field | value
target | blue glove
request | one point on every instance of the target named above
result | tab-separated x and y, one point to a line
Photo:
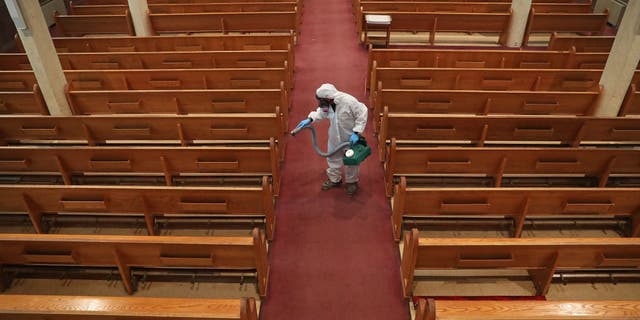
354	138
303	123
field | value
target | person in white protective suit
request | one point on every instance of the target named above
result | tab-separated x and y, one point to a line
348	118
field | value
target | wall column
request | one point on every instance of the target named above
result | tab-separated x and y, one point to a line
42	55
519	16
139	11
621	64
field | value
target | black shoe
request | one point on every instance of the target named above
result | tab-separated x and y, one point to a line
330	184
352	188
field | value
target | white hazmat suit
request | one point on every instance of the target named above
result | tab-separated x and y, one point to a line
349	116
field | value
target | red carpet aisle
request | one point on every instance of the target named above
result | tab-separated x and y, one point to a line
333	256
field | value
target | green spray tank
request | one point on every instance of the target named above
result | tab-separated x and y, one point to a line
353	156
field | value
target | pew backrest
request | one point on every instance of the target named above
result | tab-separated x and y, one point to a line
564	22
152	129
171	43
540	256
124	252
23	102
173	79
144	201
518	130
79	25
486	79
581	43
429	309
51	307
157	60
179	101
285	21
515	203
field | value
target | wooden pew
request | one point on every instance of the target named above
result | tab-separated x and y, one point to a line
563	7
82	9
157	60
434	22
545	5
20	93
177	79
164	161
17	81
148	129
285	21
125	252
541	257
631	104
449	58
172	43
500	162
79	25
203	1
429	309
23	102
180	101
594	23
515	203
30	307
517	130
422	6
486	79
581	43
482	102
162	60
143	201
464	7
495	59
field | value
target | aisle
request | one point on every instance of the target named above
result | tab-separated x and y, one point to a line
333	256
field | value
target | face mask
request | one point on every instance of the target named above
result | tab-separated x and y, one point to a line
325	104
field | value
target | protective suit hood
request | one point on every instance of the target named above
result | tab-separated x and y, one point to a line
326	91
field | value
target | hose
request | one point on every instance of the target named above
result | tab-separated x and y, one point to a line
315	142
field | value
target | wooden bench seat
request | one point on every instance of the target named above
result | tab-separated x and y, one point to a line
500	162
162	60
581	43
157	60
594	23
284	21
171	43
494	59
525	59
386	7
542	6
517	130
24	307
434	22
169	80
180	101
482	102
515	203
631	103
83	9
144	129
173	79
486	79
429	309
127	252
541	257
79	25
23	102
164	161
143	201
300	2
